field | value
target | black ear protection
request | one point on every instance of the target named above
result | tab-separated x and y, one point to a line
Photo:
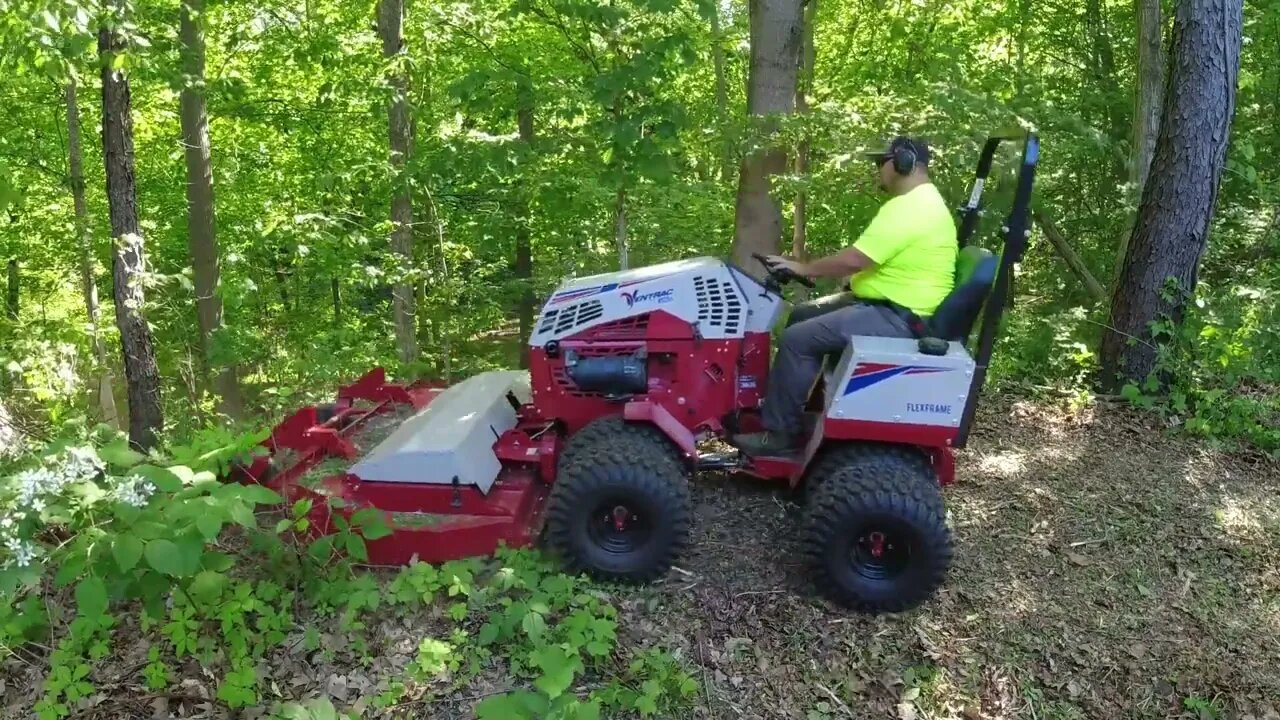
904	158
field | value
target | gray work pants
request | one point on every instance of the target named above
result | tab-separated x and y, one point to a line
814	329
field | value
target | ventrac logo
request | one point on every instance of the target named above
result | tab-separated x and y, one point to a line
657	296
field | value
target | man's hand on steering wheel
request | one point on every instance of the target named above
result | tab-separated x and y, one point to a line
778	262
784	269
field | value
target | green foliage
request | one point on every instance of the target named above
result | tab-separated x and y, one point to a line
133	531
1215	376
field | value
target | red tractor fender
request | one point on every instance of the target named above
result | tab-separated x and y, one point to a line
660	417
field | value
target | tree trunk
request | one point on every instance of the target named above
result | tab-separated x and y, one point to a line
1181	191
202	238
88	284
390	22
1069	255
722	95
524	250
12	298
771	90
128	259
620	228
1150	90
1146	113
804	85
336	290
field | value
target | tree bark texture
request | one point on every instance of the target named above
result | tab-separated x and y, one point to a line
390	24
1181	191
776	29
88	283
804	85
1149	97
128	259
524	247
202	238
1150	90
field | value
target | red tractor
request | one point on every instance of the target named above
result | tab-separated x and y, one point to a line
631	375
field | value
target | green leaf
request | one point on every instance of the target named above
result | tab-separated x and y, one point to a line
558	669
165	557
190	552
260	495
321	549
519	705
208	585
162	478
488	633
119	454
209	525
91	596
241	514
127	550
184	474
372	523
356	547
534	625
217	561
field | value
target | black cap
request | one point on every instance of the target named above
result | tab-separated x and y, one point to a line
920	147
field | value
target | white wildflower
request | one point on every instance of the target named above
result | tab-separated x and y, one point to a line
80	464
134	490
22	550
36	483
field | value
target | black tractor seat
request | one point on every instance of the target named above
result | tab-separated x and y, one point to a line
956	314
955	317
958	311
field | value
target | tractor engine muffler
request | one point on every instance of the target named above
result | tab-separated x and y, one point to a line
617	375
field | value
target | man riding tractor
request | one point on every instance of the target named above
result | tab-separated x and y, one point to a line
902	267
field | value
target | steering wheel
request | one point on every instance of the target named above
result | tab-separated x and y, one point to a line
782	275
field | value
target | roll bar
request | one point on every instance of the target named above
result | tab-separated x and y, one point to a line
1015	231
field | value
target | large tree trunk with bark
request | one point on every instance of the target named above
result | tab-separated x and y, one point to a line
128	260
524	248
804	84
1148	100
1150	90
202	238
1181	191
88	283
771	90
390	23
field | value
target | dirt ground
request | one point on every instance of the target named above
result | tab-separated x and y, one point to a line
1104	569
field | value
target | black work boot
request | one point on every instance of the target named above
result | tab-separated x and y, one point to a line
769	442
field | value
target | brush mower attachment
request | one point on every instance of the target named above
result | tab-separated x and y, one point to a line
424	456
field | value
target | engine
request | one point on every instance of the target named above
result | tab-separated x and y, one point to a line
691	335
717	299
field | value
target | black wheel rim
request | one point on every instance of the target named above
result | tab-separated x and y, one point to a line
618	527
881	549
